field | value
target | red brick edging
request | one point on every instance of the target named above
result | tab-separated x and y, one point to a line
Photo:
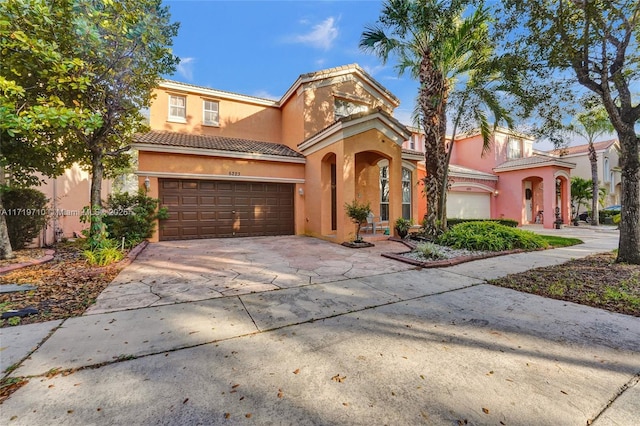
48	255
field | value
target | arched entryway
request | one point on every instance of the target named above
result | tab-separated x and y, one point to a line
329	203
533	200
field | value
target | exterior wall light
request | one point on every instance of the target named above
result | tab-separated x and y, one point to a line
147	184
495	193
300	191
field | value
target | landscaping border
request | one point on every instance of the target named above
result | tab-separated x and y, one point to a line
444	262
48	256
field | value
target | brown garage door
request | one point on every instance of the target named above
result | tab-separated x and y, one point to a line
212	209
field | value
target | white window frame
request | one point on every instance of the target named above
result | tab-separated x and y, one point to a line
177	118
406	193
510	155
215	122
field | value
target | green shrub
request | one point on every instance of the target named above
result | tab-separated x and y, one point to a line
490	236
604	214
429	250
104	255
25	214
132	216
402	226
506	222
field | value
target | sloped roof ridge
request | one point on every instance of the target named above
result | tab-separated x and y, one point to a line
579	149
196	86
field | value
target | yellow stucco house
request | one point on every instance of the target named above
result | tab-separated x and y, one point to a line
227	164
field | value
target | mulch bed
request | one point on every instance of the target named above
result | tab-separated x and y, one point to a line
594	281
66	286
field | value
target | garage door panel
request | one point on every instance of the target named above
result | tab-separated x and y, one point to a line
188	216
170	200
471	205
210	209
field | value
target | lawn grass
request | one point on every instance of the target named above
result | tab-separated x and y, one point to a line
556	242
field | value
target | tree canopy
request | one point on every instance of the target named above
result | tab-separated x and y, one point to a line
595	45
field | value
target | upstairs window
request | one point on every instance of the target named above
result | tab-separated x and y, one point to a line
178	108
210	116
514	148
412	142
344	108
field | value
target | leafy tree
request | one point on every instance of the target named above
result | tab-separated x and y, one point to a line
438	41
359	214
597	43
126	45
121	48
591	124
38	85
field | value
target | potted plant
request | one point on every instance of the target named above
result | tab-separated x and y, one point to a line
358	214
402	227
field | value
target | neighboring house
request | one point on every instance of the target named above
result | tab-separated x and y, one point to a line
227	164
508	181
609	172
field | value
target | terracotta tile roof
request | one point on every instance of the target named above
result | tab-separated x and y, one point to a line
582	149
219	143
534	161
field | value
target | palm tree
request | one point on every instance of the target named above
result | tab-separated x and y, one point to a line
590	124
438	41
581	192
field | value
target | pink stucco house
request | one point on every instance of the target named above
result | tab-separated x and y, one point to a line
509	181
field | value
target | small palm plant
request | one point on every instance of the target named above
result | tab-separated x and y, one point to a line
358	214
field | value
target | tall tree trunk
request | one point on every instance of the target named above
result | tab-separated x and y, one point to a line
629	244
5	245
431	100
593	159
97	172
6	252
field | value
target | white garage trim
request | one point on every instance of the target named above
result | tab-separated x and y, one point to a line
218	177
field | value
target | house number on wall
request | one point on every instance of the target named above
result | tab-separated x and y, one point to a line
234	173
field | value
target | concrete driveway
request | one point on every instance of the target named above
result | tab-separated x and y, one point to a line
435	346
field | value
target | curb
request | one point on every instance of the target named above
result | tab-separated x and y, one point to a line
48	256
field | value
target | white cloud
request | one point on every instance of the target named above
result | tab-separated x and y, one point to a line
320	62
374	69
265	95
185	68
321	35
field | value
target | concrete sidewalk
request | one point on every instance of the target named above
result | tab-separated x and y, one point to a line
408	347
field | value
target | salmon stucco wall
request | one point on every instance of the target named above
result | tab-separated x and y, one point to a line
293	121
243	120
68	195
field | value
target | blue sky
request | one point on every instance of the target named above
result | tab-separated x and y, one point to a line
260	47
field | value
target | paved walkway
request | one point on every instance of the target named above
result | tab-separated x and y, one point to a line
402	346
